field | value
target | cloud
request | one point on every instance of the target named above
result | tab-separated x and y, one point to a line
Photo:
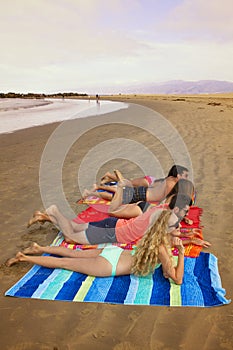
37	33
209	20
68	44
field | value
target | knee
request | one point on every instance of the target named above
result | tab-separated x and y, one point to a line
53	209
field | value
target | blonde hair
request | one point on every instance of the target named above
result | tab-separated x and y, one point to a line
147	254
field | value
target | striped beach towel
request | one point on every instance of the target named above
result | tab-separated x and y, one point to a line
201	286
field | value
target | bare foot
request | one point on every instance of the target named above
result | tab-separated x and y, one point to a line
86	193
19	257
38	216
105	180
108	177
118	174
92	192
124	182
94	187
33	249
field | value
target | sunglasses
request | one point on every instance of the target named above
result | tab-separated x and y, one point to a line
185	211
176	225
182	213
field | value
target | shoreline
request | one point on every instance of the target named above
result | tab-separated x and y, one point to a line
22	114
207	132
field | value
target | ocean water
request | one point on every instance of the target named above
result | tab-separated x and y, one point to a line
17	114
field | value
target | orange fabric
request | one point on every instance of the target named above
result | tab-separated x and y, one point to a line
191	250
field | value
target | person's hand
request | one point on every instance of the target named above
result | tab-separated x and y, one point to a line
177	242
187	233
201	242
118	174
124	182
188	221
191	232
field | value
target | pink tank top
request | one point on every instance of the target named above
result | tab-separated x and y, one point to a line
133	229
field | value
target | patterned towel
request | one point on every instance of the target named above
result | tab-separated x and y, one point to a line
97	212
191	250
201	286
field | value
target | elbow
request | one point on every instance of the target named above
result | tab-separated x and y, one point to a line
178	281
111	212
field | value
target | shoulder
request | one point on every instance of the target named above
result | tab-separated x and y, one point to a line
162	249
163	253
171	179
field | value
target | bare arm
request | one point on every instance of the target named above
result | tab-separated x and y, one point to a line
197	241
126	211
106	188
117	199
136	182
109	176
175	273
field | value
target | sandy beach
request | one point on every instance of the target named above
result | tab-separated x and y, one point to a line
205	125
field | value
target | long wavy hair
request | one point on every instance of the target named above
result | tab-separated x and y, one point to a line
147	254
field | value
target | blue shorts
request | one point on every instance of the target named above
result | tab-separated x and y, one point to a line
102	231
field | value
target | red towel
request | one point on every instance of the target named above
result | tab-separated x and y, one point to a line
97	212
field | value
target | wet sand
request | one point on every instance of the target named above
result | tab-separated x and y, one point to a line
205	124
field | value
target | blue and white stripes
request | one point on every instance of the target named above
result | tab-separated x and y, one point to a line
201	286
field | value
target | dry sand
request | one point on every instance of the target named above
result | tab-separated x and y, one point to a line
205	124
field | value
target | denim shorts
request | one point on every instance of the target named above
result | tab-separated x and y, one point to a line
134	194
102	231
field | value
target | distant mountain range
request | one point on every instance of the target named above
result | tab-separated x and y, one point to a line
179	87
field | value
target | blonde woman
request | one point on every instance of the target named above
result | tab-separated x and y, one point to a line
153	250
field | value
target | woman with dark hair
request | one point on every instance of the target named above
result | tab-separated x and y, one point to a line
177	171
158	192
137	188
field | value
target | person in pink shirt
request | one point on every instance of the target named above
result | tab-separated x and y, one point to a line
114	261
114	229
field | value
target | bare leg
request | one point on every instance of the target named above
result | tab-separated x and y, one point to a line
86	193
105	195
117	199
106	188
96	266
61	251
134	182
108	177
73	232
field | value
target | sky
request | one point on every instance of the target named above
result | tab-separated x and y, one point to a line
91	46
